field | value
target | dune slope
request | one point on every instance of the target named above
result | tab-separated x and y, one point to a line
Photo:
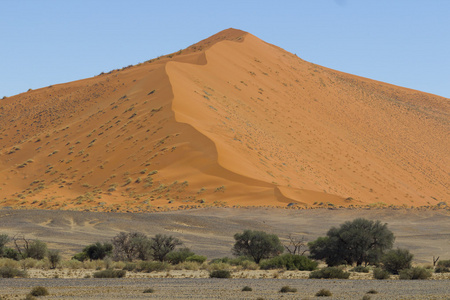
229	121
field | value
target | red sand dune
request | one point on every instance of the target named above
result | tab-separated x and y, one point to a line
229	121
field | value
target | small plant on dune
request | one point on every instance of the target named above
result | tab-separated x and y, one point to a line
149	290
366	297
247	289
30	297
372	291
323	293
288	289
220	274
39	291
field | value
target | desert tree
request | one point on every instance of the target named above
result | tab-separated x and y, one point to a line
162	245
358	241
132	245
97	251
296	245
257	244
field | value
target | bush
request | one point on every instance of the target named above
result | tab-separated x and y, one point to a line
110	274
440	269
153	266
196	258
366	297
188	265
39	291
162	245
96	251
130	266
72	264
360	269
414	273
218	266
36	249
9	272
289	262
82	256
176	257
247	289
220	274
323	293
372	291
396	260
54	258
288	289
30	297
380	274
444	263
329	272
150	290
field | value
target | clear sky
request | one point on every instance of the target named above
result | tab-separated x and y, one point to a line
403	42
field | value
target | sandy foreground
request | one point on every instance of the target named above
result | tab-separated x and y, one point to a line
205	288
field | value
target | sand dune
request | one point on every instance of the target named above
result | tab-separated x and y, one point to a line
229	121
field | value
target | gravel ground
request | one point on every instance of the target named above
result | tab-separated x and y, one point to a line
202	288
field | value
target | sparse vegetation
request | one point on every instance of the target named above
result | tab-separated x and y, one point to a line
109	273
289	262
415	273
380	274
220	274
323	293
396	260
149	290
288	289
330	272
39	291
247	289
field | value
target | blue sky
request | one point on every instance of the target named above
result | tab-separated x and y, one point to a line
402	42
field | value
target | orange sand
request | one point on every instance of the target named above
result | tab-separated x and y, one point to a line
229	121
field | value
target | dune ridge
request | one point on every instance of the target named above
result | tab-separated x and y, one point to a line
229	121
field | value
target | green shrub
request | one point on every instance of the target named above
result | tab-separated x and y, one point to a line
82	256
218	266
196	258
440	269
179	256
109	273
129	266
10	272
415	273
329	272
323	293
360	269
153	266
220	274
289	262
372	291
39	291
247	289
54	258
380	274
150	290
444	263
396	260
288	289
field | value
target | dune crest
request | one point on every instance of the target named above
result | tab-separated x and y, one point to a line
229	121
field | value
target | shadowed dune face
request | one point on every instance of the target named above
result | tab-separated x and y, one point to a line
229	121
